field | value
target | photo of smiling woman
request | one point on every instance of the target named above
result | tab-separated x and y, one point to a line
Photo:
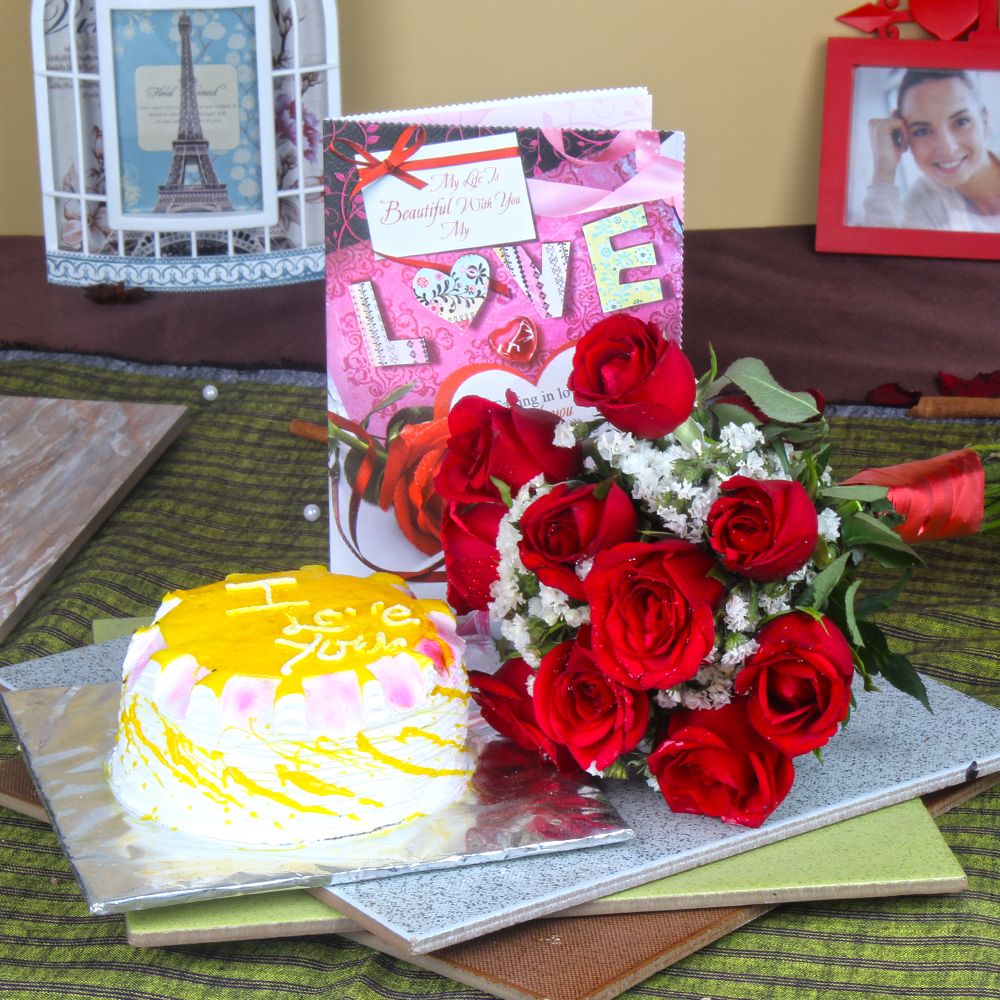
921	154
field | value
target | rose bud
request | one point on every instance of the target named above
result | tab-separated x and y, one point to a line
471	559
714	763
763	529
408	483
511	443
798	683
569	525
507	706
652	606
578	705
637	379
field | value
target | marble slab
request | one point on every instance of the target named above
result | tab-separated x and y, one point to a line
892	750
98	664
54	450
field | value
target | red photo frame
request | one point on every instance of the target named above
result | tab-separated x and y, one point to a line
862	74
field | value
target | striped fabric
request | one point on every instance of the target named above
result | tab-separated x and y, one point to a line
228	496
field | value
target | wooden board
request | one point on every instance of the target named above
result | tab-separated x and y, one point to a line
576	958
53	449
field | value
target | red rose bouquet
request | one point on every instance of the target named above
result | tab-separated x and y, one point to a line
674	581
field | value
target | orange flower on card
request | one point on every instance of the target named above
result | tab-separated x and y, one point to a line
414	457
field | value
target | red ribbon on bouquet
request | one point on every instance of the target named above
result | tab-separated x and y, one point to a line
399	162
940	497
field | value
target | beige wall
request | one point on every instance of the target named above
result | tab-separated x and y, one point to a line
743	79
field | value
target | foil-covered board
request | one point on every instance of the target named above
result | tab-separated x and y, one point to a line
514	807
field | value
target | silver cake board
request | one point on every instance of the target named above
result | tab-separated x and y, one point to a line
892	750
124	863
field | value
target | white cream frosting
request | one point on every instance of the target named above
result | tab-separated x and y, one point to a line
336	746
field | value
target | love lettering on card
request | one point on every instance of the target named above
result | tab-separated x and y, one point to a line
466	259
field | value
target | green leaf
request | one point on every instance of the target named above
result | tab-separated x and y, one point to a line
707	380
864	530
823	583
779	454
863	493
716	387
602	489
875	603
807	433
901	674
352	465
812	612
730	413
891	559
504	491
393	397
850	617
406	416
894	667
809	477
753	377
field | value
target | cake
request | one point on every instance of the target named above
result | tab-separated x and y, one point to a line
292	707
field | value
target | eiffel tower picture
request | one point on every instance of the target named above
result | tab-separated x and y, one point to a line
191	185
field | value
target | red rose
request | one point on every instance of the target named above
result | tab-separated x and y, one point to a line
714	763
638	380
471	560
798	683
763	529
507	706
578	705
652	606
408	482
570	524
513	444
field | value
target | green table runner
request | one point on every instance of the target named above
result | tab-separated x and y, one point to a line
228	496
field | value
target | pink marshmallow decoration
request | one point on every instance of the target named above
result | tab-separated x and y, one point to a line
432	650
143	645
247	698
172	689
448	631
401	680
333	703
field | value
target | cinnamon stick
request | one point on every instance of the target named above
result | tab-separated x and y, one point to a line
307	429
931	407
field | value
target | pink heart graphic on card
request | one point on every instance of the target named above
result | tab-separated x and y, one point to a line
456	295
945	20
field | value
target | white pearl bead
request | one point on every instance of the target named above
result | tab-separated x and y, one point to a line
210	394
311	512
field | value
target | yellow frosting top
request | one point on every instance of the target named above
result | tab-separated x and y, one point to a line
298	624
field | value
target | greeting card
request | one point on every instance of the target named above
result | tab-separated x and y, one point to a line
466	259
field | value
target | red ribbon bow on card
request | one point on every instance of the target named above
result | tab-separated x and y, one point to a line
371	168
